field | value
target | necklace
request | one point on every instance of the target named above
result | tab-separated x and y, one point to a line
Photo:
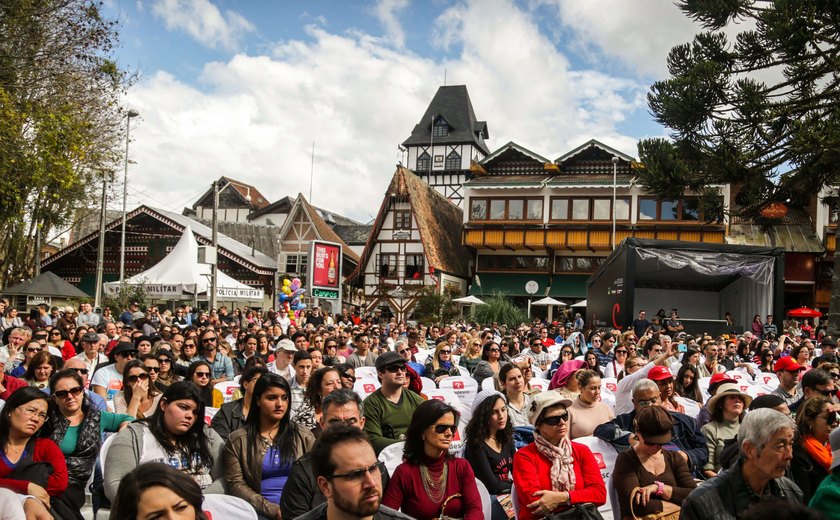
434	485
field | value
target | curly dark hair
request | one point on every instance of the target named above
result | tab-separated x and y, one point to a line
313	389
478	429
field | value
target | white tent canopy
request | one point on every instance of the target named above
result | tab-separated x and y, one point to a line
179	274
469	300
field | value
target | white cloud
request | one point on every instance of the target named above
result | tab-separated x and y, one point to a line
386	11
202	20
254	118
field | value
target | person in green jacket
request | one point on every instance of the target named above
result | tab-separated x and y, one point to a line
388	410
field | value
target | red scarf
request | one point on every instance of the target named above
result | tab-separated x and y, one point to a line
818	451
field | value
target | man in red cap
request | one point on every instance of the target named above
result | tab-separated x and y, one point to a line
788	372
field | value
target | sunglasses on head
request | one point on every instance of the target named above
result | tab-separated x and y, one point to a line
554	420
137	377
62	394
441	428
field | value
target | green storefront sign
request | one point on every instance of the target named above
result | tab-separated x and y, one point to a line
324	293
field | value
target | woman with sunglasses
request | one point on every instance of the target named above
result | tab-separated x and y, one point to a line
189	351
331	357
347	374
577	342
79	427
811	463
200	373
615	366
31	348
553	473
153	368
258	458
439	365
490	363
431	483
166	362
24	445
41	367
565	354
646	477
139	397
176	435
57	339
231	416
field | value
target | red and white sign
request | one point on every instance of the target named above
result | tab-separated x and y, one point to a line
326	265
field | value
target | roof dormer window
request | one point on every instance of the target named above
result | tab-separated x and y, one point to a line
440	128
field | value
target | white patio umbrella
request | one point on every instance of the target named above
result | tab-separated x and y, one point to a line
472	300
549	302
579	304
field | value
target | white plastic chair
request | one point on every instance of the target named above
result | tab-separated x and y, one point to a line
365	387
612	498
514	500
227	388
226	506
428	384
767	379
463	371
692	407
488	384
464	387
540	383
486	500
609	385
366	373
392	456
605	455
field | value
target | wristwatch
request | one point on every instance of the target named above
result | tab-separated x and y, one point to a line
660	488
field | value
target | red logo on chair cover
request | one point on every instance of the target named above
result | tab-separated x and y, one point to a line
612	387
600	459
458	385
744	388
767	379
369	388
456	436
231	390
438	397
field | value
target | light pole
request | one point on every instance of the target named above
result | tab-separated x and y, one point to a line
100	255
131	113
615	182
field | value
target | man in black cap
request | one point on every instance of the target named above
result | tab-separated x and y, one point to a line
107	381
91	354
388	410
829	352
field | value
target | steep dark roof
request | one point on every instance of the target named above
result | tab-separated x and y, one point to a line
438	220
46	284
325	231
354	235
285	204
242	191
261	238
454	105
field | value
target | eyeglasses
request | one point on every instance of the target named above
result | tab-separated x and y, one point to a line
126	355
137	377
56	333
82	371
189	345
208	340
494	349
153	369
441	428
374	470
33	349
62	394
446	352
617	352
566	353
32	412
554	420
202	374
648	402
827	393
347	376
835	376
401	351
163	360
395	368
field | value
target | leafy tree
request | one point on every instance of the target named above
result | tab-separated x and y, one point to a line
127	294
60	119
500	309
760	111
434	307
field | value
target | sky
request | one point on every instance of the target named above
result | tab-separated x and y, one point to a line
243	88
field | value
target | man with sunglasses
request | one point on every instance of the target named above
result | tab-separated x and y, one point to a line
8	384
221	366
80	368
301	494
91	355
350	477
539	356
363	356
815	382
388	410
108	380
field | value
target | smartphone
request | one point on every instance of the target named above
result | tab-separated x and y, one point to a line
681	347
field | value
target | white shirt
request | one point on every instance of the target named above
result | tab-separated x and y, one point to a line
624	392
109	379
286	372
91	364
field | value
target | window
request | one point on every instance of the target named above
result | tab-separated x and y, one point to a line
580	209
453	161
387	265
506	209
685	210
512	263
424	161
578	264
559	209
601	209
414	267
622	209
402	219
440	128
296	264
478	209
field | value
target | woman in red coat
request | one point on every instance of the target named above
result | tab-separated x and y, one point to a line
553	473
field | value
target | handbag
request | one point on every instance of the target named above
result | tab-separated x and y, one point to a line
664	515
443	508
586	511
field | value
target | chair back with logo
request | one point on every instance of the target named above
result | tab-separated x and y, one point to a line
767	379
692	407
226	388
365	387
428	384
605	455
464	387
539	383
209	413
486	504
609	385
226	506
366	373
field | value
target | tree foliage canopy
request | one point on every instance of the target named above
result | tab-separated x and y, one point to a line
60	118
760	110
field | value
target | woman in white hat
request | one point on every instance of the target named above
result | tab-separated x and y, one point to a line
727	407
553	473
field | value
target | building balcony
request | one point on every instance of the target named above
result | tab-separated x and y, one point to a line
581	237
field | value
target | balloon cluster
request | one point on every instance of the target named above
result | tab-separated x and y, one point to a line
289	295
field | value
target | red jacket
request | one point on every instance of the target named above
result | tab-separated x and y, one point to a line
45	451
532	473
11	384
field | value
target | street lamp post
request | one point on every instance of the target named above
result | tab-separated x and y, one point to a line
100	256
131	113
615	182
